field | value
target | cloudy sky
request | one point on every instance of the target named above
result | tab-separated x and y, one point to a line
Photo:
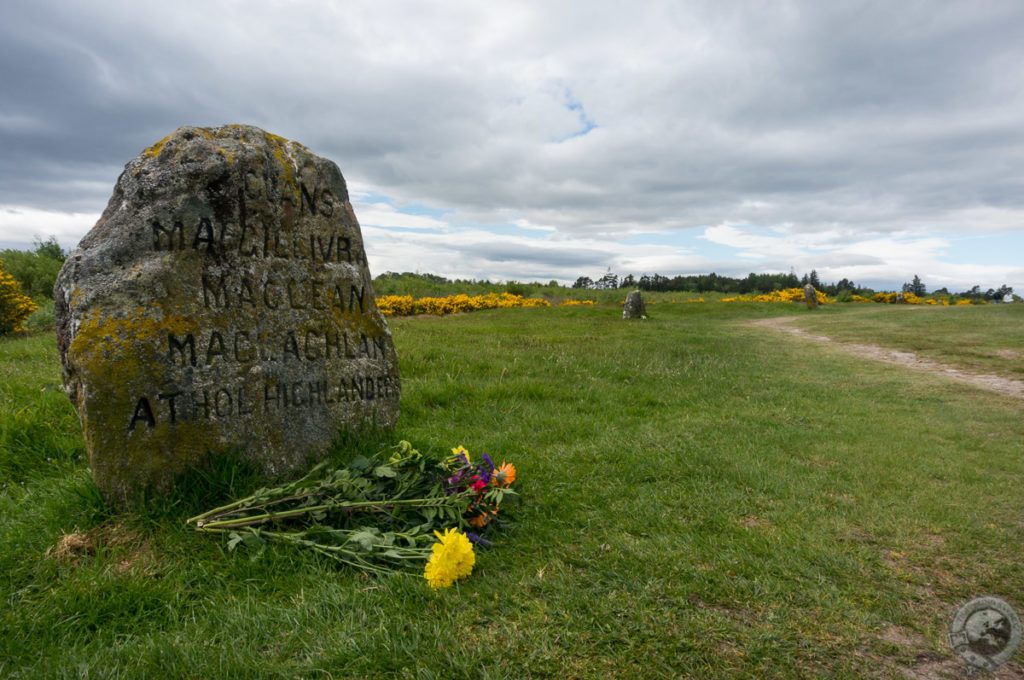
552	139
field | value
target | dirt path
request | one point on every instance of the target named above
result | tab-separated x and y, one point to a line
994	383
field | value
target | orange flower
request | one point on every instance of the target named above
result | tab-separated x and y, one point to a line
504	475
483	519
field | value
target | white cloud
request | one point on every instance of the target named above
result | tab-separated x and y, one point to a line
20	226
481	254
838	254
802	134
381	214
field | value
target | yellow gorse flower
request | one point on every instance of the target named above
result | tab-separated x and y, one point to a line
452	559
404	305
787	295
15	306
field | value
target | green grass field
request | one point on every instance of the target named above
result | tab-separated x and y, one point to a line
701	497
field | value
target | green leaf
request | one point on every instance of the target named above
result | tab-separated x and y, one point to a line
252	540
384	471
365	539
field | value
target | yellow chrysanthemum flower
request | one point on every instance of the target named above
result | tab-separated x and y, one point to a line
453	559
459	458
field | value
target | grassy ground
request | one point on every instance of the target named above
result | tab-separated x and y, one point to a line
985	338
702	497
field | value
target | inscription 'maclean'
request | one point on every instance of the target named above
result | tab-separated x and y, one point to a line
224	403
275	293
243	347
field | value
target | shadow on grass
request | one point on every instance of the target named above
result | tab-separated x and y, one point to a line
227	476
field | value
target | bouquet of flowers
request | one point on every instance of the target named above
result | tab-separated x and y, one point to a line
383	514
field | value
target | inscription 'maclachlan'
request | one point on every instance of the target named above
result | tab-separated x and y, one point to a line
244	347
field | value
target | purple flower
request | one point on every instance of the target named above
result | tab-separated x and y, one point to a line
454	482
485	475
473	538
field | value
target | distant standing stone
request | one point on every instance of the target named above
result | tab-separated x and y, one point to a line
810	296
222	301
635	307
901	298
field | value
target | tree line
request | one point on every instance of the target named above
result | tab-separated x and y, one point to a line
765	283
36	270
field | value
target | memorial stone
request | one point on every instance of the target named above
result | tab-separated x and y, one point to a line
810	296
634	307
222	302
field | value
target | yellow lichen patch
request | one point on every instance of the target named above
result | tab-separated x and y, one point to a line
122	358
108	331
277	139
154	151
118	354
287	164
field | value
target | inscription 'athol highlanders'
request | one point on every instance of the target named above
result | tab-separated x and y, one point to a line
177	406
222	301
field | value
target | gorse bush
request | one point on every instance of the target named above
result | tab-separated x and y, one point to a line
787	295
36	269
405	305
15	306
